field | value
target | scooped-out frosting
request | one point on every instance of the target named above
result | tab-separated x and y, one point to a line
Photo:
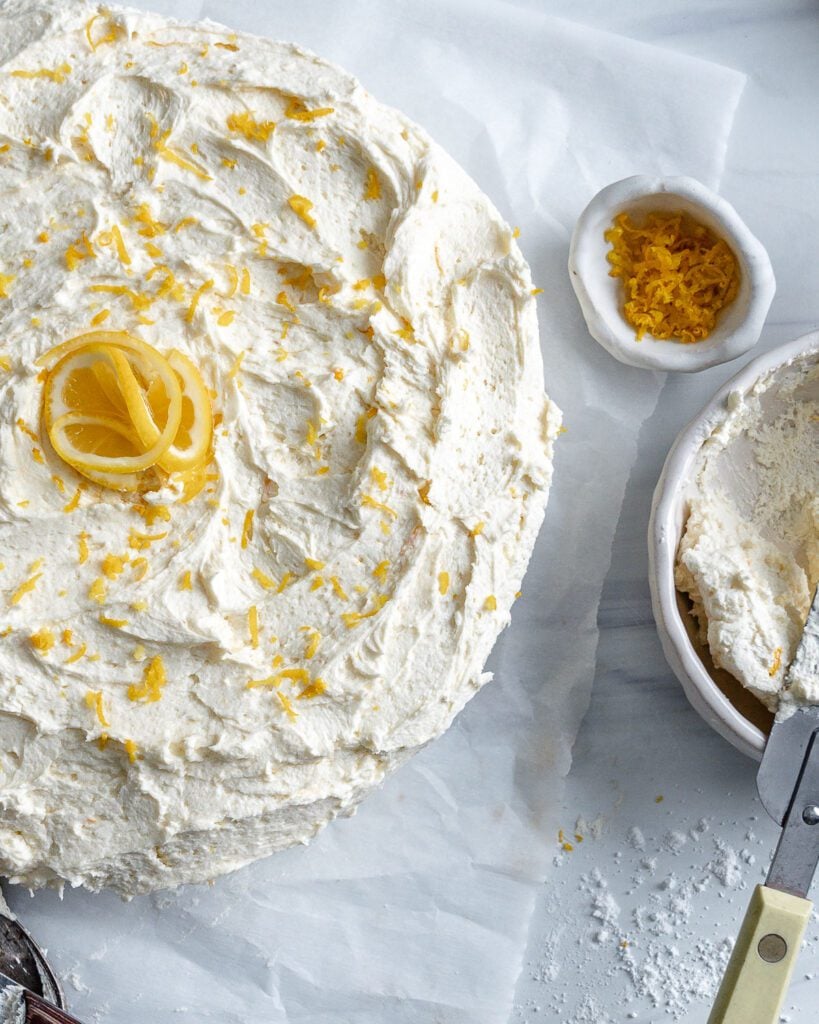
749	556
190	683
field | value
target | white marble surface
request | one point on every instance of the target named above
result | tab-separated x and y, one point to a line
640	739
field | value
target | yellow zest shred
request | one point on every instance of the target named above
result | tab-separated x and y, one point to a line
353	619
185	581
82	541
477	529
111	31
154	679
98	591
42	640
379	477
491	603
244	287
288	707
139	606
114	565
372	188
313	564
77	655
58	74
143	541
247	528
313	641
139	567
263	579
677	275
93	700
370	502
361	424
25	588
285	582
5	281
131	750
297	111
67	637
100	317
776	664
302	206
113	623
197	295
75	501
407	332
247	125
443	583
338	590
253	625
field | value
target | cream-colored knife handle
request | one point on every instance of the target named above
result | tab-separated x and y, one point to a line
759	971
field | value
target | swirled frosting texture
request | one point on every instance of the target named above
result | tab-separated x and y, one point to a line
380	466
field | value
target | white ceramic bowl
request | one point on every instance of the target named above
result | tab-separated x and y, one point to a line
600	296
714	693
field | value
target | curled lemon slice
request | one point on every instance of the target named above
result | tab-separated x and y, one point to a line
115	408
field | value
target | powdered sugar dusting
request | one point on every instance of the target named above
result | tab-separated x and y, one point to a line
640	942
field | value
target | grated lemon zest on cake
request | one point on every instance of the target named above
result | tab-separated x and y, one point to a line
443	583
131	749
82	541
477	529
154	679
75	501
197	295
246	124
302	206
114	565
143	541
140	567
247	528
98	591
253	625
372	187
104	620
361	424
368	501
285	582
42	640
776	664
93	700
491	603
296	110
353	619
338	590
77	655
58	74
263	579
114	31
381	570
25	588
313	564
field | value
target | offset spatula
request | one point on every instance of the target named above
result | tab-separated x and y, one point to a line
759	971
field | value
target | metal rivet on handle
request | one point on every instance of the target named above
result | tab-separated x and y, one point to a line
772	948
810	815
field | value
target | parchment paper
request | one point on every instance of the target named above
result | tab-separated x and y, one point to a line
417	909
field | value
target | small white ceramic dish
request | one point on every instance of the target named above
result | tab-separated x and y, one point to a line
714	693
600	296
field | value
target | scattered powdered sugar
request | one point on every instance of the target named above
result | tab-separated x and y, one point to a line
647	949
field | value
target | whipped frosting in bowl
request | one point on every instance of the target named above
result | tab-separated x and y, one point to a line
190	682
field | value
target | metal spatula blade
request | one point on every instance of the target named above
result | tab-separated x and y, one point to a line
759	971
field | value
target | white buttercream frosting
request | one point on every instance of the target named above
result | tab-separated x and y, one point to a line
380	412
749	556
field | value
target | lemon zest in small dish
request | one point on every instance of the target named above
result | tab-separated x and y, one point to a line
677	275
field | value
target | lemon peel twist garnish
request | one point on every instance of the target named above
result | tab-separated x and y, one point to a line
114	408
